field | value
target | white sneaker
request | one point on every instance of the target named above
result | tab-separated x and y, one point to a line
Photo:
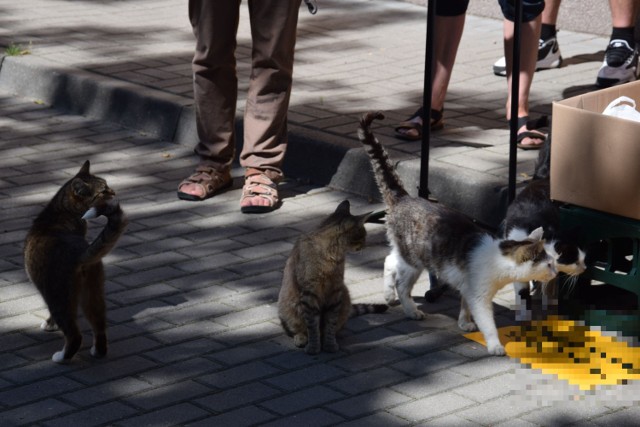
548	57
620	64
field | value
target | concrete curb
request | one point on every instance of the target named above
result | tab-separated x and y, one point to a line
91	95
318	157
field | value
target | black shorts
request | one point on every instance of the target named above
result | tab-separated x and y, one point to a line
530	9
451	7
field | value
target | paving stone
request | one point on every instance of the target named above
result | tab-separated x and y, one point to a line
165	396
379	419
360	405
237	375
430	407
110	390
35	412
38	391
302	400
313	417
367	380
246	416
192	287
232	398
305	377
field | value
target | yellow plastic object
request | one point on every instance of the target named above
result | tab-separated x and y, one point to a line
573	352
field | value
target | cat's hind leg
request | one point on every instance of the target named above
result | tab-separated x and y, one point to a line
72	339
63	307
334	318
464	318
310	308
94	308
405	277
389	284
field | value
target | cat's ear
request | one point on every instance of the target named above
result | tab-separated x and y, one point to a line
343	208
536	234
84	170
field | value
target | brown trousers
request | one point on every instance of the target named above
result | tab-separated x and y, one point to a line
215	83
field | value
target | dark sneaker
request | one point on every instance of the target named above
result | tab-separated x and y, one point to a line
620	64
548	57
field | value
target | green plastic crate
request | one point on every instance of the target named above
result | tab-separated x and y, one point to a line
613	255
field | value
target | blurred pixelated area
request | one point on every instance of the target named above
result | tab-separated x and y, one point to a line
584	356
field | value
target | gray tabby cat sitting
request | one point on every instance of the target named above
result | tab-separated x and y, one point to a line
314	303
65	268
427	235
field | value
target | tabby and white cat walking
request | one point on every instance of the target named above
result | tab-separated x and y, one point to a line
65	268
314	303
429	235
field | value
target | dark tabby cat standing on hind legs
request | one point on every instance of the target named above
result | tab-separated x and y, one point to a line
65	268
314	303
424	234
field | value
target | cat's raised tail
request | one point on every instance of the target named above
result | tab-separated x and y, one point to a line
389	182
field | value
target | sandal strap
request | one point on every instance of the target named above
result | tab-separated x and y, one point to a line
260	185
533	124
208	177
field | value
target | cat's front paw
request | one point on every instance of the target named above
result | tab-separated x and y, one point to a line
300	340
110	209
496	349
416	315
58	357
312	349
49	326
97	354
467	326
330	347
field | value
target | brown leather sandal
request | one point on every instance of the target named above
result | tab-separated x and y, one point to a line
259	185
209	180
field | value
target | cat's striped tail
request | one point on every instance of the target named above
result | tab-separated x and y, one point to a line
389	182
106	240
360	309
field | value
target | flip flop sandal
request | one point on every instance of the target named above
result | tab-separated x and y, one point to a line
209	180
436	123
531	131
259	185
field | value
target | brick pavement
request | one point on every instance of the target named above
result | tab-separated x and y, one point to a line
351	57
193	329
192	286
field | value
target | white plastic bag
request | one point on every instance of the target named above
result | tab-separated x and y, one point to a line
624	108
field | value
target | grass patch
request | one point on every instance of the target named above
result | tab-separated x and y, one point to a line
17	50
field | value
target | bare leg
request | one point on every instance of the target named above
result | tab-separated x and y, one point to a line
623	13
530	34
447	36
550	12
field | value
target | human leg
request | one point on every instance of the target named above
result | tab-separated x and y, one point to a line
273	30
548	49
620	63
215	93
447	36
529	37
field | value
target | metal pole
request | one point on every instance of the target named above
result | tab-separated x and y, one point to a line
423	189
515	87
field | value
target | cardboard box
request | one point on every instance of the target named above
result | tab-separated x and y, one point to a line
595	159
